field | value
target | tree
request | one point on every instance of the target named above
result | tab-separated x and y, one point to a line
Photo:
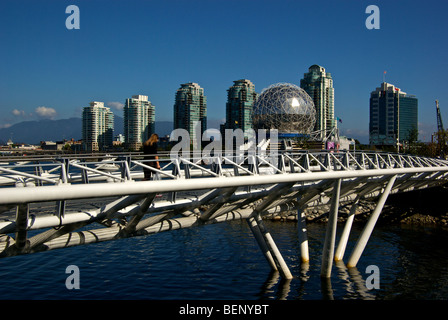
428	150
442	143
412	140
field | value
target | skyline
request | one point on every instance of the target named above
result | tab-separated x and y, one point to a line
151	47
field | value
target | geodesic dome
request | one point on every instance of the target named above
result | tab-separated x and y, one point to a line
285	107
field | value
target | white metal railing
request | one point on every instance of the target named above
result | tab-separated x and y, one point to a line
221	187
68	179
56	171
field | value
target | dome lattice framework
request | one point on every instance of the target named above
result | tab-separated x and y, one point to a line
285	107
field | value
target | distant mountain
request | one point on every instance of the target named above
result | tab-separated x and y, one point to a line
32	132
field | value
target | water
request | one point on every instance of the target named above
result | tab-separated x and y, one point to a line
223	262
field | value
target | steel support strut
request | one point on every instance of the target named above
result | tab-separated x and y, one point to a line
303	237
365	235
280	262
346	232
340	251
330	235
264	238
261	242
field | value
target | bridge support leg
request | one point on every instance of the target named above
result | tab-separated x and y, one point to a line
272	247
346	232
365	235
330	235
303	237
261	242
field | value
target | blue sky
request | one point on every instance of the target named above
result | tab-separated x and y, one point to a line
149	47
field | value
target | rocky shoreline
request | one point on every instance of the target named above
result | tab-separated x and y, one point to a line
422	207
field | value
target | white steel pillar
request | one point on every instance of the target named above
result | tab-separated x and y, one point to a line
346	232
330	235
272	247
365	235
280	262
340	251
261	242
303	237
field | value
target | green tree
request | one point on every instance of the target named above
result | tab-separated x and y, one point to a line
442	143
412	141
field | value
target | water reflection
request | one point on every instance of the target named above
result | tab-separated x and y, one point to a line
325	287
349	279
283	286
223	261
355	284
304	268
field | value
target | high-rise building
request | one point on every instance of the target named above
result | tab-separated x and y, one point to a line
97	127
319	86
239	107
393	115
139	121
190	106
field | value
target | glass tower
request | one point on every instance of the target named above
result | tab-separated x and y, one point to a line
239	107
139	121
319	86
190	106
393	115
97	127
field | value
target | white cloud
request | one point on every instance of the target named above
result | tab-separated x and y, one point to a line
45	112
116	105
4	126
362	135
18	113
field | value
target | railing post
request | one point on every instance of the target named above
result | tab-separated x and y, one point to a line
330	235
22	214
365	235
125	171
64	170
187	171
38	172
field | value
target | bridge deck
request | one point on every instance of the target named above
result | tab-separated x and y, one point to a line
44	202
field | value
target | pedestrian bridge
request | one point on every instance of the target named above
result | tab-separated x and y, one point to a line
63	201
